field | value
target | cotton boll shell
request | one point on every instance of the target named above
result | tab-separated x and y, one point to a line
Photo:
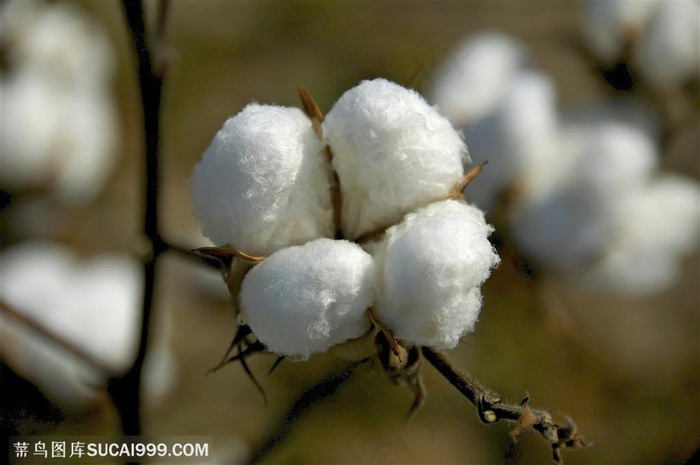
306	299
474	78
263	183
431	268
668	55
393	153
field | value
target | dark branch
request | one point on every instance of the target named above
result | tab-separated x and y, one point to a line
125	389
491	409
308	399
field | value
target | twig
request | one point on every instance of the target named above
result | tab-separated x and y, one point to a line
55	338
316	394
491	409
125	389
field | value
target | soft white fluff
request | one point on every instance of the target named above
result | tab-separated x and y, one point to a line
306	299
610	24
393	153
93	304
59	126
668	53
263	183
655	226
475	76
518	139
431	267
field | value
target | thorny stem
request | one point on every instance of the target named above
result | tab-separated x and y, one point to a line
491	409
125	390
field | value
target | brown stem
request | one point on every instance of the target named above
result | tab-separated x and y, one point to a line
491	409
56	339
125	390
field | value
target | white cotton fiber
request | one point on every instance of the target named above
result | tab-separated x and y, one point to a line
93	304
609	24
306	299
518	139
432	266
263	183
655	226
393	153
668	54
473	79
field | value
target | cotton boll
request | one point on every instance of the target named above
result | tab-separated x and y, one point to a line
518	139
475	76
393	153
563	229
263	183
615	157
668	53
94	305
432	265
610	24
656	225
306	299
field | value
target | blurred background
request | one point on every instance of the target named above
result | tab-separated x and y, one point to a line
625	368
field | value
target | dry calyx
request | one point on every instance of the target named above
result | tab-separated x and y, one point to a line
344	229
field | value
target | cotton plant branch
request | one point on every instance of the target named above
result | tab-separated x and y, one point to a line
491	408
311	397
125	390
59	341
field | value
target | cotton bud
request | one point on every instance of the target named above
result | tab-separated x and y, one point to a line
393	153
432	266
263	183
306	299
473	79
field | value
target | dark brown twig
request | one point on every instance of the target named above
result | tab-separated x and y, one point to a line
491	409
63	343
125	390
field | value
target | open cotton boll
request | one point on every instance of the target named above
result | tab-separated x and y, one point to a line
263	183
94	305
393	153
306	299
475	76
432	266
656	225
518	139
610	24
614	158
668	53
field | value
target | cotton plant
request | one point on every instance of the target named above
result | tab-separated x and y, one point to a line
656	40
345	226
90	307
59	126
569	190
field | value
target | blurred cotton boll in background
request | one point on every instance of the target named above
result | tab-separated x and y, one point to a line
92	304
59	126
658	40
473	79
